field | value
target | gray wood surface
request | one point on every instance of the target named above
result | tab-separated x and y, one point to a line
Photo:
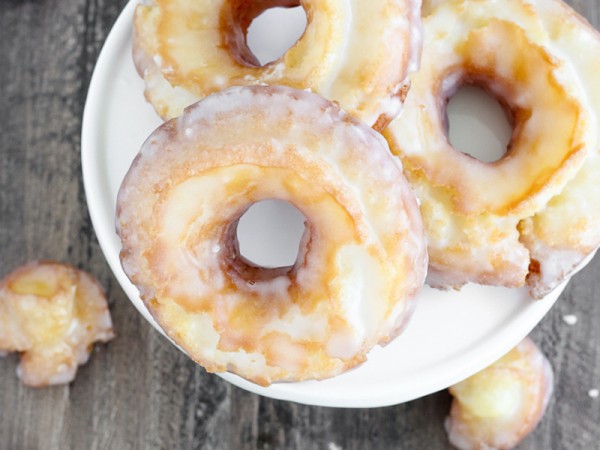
139	391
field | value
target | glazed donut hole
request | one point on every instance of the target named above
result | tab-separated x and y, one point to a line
244	26
268	236
258	240
478	122
269	44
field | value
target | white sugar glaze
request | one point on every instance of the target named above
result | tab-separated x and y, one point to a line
533	216
360	263
359	53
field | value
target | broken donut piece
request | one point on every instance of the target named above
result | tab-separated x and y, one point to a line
51	313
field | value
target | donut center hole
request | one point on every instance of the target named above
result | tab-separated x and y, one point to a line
274	32
269	234
478	125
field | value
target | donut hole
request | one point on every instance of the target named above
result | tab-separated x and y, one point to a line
269	234
478	124
259	33
274	32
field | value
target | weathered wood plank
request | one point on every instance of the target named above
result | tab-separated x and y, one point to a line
138	391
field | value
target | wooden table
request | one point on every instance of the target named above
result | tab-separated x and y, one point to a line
139	391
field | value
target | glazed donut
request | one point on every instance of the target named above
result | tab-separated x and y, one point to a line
361	261
499	406
526	218
51	313
188	49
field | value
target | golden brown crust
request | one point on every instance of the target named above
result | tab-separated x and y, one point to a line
499	406
361	262
51	313
186	50
477	214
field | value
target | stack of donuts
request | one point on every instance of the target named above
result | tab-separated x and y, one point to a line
383	211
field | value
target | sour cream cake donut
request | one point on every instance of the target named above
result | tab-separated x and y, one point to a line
526	218
188	49
499	406
361	261
52	314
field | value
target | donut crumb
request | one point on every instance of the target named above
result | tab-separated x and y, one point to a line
570	319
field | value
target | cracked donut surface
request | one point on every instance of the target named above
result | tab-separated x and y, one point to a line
527	218
361	261
188	49
51	313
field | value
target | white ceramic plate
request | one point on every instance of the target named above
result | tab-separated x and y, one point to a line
452	334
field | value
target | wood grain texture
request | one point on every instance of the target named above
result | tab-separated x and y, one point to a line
139	392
